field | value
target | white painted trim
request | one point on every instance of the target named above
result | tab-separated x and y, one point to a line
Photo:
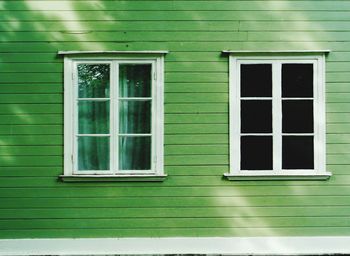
254	175
68	117
276	51
191	245
114	52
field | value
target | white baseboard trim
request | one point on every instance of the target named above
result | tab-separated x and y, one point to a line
190	245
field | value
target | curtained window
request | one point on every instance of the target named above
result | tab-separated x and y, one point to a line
117	111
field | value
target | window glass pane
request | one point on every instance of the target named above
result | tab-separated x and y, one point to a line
93	80
135	80
134	153
93	117
297	80
256	153
256	116
93	153
297	116
134	116
256	80
298	152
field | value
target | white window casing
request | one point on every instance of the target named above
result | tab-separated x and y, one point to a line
114	59
276	59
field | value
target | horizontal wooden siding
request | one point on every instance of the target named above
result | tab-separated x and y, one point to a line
195	200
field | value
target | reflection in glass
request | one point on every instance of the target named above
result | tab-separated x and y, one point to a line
93	153
134	116
93	80
298	152
256	116
256	80
135	80
297	80
256	153
297	116
134	153
93	117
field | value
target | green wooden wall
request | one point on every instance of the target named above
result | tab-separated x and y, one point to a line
195	200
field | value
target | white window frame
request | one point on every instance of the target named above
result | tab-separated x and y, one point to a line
277	59
156	173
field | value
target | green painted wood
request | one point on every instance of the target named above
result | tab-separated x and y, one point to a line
189	212
174	181
131	202
205	46
243	222
32	140
176	232
159	15
31	150
196	128
196	118
14	130
31	98
178	5
39	108
196	150
33	88
96	36
87	190
195	199
31	119
193	139
197	108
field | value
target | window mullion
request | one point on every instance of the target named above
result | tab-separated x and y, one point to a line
114	117
277	116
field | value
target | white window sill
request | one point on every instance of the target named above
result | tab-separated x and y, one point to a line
323	176
112	178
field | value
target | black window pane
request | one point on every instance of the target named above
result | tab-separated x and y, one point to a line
256	80
297	116
256	116
298	152
297	80
256	153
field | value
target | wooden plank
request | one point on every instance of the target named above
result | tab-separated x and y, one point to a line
166	202
196	87
31	98
172	181
31	150
196	129
159	15
195	150
194	139
85	190
208	98
96	36
225	222
197	108
174	232
31	119
197	118
31	130
187	212
178	5
32	140
30	88
39	108
185	46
